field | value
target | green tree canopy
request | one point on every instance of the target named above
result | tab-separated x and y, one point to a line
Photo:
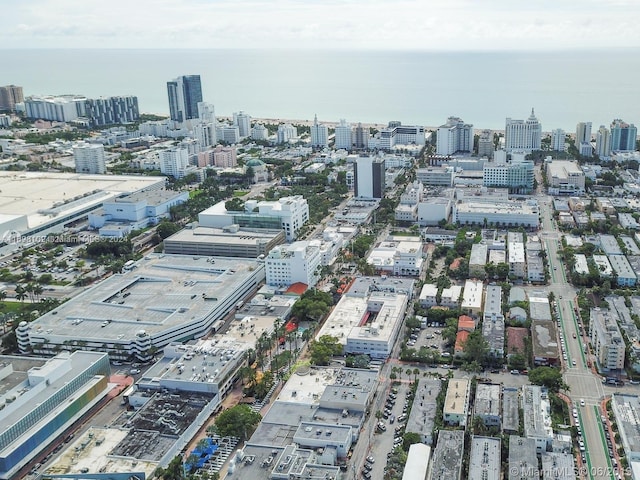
323	349
166	229
549	377
238	421
476	348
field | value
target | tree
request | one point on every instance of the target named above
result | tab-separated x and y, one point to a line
408	439
549	377
238	421
476	348
166	229
517	361
323	349
234	205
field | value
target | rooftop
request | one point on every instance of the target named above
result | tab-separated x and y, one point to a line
423	412
558	465
472	296
539	308
536	411
455	402
510	409
545	343
484	460
627	413
44	196
94	451
447	457
487	400
523	460
162	293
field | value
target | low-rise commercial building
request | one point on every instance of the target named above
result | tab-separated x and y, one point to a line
398	257
626	409
417	463
472	297
564	177
135	211
423	411
447	457
289	264
432	210
287	213
158	300
523	459
487	404
478	260
42	398
485	458
456	403
230	241
470	211
537	416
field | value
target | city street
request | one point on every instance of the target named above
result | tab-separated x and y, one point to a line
583	383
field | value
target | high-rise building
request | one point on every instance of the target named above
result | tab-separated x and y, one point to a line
205	133
174	162
207	112
583	132
319	134
9	96
111	110
98	112
558	136
185	93
361	137
525	135
243	121
343	135
454	136
517	176
286	132
259	132
229	134
485	144
603	143
623	136
369	181
89	158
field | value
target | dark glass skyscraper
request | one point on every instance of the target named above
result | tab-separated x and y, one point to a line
184	94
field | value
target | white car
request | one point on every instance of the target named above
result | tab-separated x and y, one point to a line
582	402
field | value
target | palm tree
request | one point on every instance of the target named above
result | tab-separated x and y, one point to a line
416	372
21	293
37	290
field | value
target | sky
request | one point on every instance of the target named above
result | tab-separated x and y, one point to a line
321	24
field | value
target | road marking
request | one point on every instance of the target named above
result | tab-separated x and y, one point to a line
604	442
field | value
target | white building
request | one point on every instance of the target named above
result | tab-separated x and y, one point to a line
626	409
487	404
89	158
472	296
286	133
603	143
398	257
485	144
207	112
517	263
537	416
606	339
242	120
289	264
287	213
205	134
484	460
450	297
493	321
558	137
428	295
369	181
319	134
343	135
469	211
454	136
174	162
456	402
524	135
564	177
417	463
259	132
434	209
516	175
436	176
228	133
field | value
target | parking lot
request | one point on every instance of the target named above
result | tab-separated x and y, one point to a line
394	412
429	337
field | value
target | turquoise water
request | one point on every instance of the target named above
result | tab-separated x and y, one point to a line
413	87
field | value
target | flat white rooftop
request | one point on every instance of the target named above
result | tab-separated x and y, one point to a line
163	293
44	196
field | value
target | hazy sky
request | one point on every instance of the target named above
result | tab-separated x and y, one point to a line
372	24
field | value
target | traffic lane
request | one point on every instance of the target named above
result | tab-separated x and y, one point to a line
597	457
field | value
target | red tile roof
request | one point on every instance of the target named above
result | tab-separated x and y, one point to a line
465	322
461	337
297	288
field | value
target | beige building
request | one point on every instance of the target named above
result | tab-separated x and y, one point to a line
456	403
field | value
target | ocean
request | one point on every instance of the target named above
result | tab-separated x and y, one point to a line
415	87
